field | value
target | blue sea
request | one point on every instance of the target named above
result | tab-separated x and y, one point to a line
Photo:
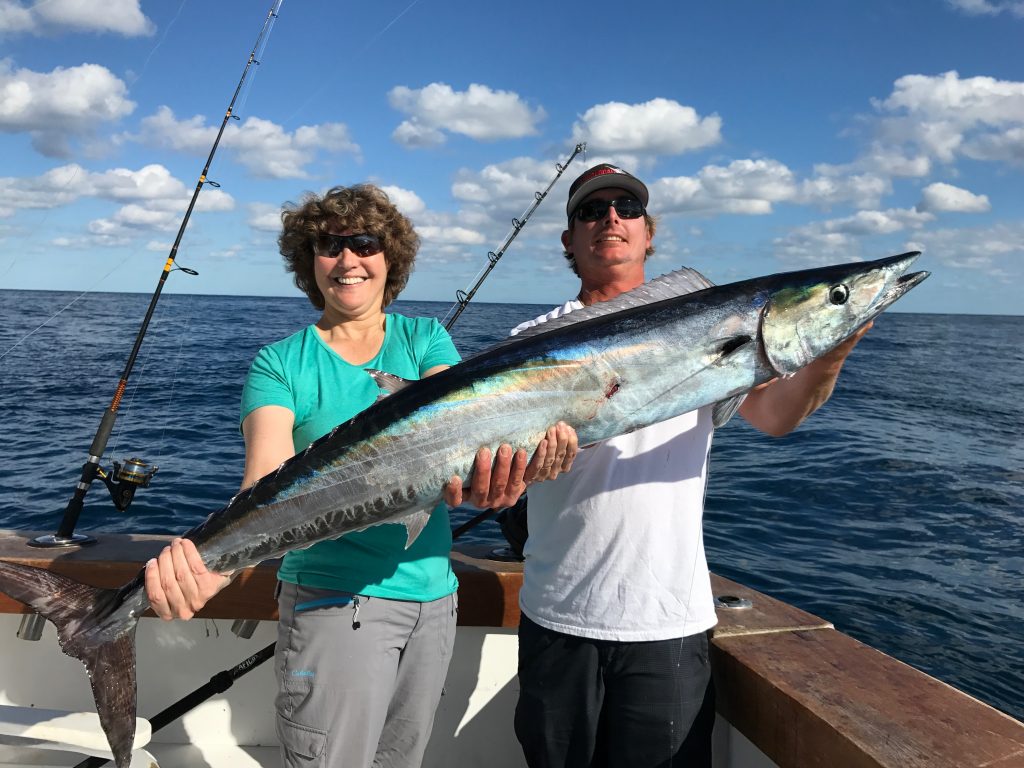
896	512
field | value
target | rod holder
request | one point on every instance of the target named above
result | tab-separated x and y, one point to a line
244	628
54	540
31	627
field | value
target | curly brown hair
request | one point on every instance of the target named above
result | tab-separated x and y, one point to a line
652	227
363	208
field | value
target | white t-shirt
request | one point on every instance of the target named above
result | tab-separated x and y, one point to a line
616	549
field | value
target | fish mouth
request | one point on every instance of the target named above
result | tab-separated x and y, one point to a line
904	282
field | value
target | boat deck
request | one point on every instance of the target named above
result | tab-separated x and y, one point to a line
792	690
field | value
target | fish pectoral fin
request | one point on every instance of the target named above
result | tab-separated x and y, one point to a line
723	410
414	525
388	382
723	348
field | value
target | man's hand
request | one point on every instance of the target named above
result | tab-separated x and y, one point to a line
779	406
502	483
178	584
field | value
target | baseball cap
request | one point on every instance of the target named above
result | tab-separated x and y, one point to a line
600	177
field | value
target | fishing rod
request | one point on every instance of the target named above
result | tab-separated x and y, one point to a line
462	297
135	473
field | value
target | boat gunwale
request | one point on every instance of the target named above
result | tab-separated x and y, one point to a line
802	692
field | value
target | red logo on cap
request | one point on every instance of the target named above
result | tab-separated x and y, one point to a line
599	172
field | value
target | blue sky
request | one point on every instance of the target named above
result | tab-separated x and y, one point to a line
773	136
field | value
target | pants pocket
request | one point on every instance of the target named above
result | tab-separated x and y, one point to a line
301	746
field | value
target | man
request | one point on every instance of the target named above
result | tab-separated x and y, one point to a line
616	599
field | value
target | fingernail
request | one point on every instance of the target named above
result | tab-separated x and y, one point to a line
151	562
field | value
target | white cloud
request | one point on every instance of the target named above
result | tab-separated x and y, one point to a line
878	222
151	199
159	214
823	242
452	235
988	7
660	127
55	106
1005	147
57	187
863	190
123	17
997	250
970	101
407	201
151	182
414	135
15	17
478	112
945	116
264	217
747	187
495	195
262	146
946	197
813	247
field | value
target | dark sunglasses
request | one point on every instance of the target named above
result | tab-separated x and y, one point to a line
361	245
594	210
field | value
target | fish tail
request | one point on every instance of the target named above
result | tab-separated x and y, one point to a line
95	626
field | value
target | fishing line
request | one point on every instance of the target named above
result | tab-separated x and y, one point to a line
364	49
164	416
46	215
247	88
374	39
87	291
160	42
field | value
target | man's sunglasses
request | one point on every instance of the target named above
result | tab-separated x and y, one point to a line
361	245
594	210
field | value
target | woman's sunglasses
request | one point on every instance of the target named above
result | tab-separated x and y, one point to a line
361	245
626	207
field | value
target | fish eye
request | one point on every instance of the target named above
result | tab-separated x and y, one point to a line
838	294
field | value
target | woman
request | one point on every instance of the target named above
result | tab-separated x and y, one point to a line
366	626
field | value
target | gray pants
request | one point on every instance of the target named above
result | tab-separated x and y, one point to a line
359	678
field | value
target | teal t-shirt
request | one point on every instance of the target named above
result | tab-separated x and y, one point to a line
309	378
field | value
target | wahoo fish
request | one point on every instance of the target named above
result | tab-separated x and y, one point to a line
665	348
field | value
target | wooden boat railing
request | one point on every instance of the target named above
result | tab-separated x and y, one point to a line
802	692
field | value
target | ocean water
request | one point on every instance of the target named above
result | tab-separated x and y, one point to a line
896	512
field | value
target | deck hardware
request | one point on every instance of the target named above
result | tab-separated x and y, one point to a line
504	554
732	602
31	627
244	628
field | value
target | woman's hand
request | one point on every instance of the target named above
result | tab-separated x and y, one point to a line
501	483
178	584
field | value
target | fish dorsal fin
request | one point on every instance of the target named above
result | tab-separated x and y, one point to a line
387	382
670	286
